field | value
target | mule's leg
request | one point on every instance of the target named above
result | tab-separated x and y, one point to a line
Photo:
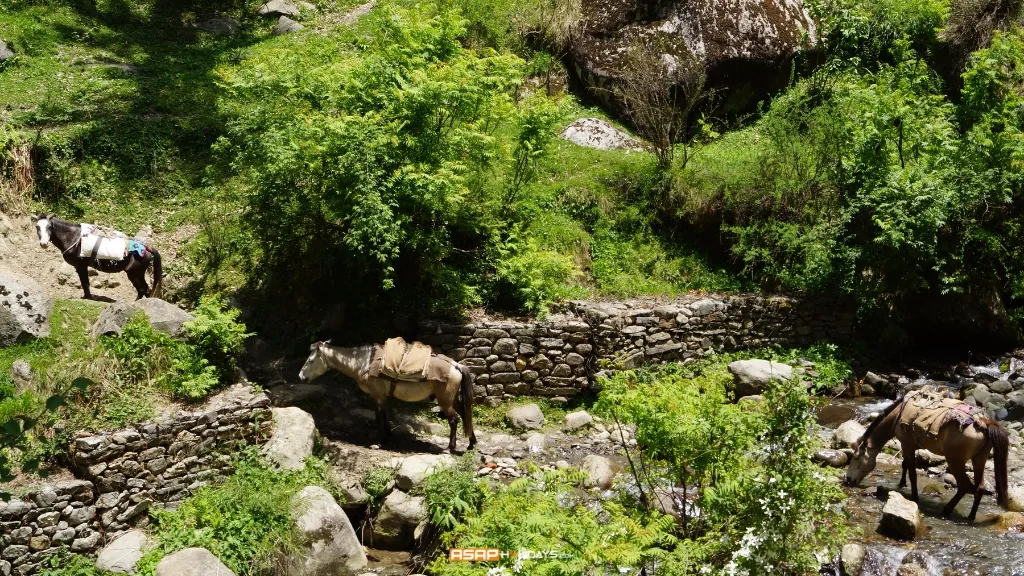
83	277
910	468
383	427
979	481
139	282
903	478
453	424
963	484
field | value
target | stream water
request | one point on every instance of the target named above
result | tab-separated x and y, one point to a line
947	547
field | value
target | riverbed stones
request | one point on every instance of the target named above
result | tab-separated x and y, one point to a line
328	544
192	562
752	376
25	309
833	458
415	469
599	471
395	526
901	518
849	433
851	559
1015	501
121	555
293	438
528	417
576	420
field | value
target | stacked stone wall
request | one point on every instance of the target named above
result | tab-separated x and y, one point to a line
560	355
122	474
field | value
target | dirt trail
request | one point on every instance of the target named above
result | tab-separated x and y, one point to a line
21	253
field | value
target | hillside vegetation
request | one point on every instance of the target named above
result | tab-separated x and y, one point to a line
408	162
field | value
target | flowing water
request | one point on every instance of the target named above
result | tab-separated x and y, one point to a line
947	547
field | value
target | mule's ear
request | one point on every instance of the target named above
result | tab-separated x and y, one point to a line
313	346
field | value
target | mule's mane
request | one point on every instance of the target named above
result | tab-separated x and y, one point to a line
875	423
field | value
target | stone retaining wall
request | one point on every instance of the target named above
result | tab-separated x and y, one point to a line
122	474
558	356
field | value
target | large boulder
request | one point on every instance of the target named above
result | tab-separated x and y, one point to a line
577	420
5	51
849	433
395	526
599	471
121	555
528	417
751	376
745	45
112	320
415	469
852	559
328	545
192	562
901	518
25	308
293	438
163	316
285	25
278	8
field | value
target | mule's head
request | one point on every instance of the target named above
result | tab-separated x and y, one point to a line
315	365
861	463
44	227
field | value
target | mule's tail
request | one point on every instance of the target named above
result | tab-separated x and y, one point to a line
158	274
466	403
1000	448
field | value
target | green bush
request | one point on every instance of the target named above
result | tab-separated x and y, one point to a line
764	505
190	369
549	514
536	277
216	335
246	522
452	492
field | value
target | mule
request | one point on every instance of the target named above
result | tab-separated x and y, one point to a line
67	237
454	395
957	444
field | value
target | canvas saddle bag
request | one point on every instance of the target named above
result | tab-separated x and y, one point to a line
927	412
397	359
102	243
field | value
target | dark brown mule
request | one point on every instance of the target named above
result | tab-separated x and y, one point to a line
67	237
957	444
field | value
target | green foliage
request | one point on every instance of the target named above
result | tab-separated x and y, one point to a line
763	503
377	483
66	564
453	492
536	277
189	369
216	335
375	162
549	514
246	521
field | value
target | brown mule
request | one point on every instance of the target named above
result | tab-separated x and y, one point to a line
957	444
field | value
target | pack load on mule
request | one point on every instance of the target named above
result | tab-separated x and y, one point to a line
104	243
408	372
85	246
926	419
927	412
408	361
